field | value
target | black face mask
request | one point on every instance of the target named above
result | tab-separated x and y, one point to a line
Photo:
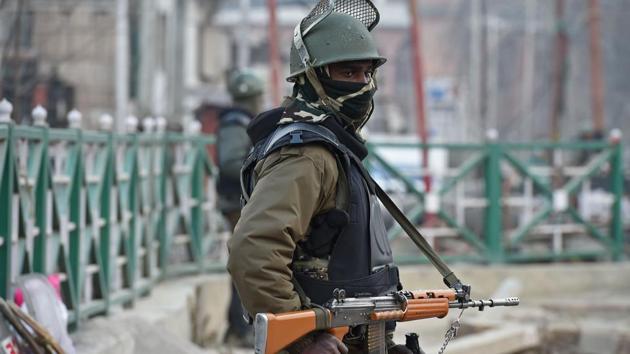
356	110
356	107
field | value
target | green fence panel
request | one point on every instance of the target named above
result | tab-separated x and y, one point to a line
94	207
492	159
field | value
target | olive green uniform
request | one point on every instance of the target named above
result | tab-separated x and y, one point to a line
292	185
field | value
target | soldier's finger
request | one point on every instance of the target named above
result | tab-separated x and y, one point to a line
340	346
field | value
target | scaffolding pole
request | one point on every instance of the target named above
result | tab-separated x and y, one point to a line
597	81
274	55
243	43
529	70
122	62
474	66
483	69
418	79
560	71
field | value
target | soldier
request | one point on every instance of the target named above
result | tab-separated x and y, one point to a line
233	144
311	222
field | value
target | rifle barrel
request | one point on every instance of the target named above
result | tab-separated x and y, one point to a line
510	301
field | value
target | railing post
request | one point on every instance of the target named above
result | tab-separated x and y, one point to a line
41	194
105	124
6	199
492	177
76	207
616	227
196	194
165	170
132	170
149	204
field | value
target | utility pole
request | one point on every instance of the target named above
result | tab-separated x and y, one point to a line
17	61
274	55
178	79
418	76
122	62
493	63
560	71
243	43
597	81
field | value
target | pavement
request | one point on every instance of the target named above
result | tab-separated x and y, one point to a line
582	304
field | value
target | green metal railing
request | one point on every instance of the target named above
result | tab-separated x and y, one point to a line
554	192
115	213
111	213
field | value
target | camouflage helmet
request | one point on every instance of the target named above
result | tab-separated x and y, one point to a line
341	34
244	84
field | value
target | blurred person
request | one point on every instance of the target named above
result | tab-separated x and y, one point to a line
233	144
311	222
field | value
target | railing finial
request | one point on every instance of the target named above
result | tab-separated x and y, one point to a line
160	124
148	124
615	135
492	134
132	124
39	115
74	119
194	127
5	111
106	122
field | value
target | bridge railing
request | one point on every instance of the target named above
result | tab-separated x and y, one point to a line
508	202
112	214
115	213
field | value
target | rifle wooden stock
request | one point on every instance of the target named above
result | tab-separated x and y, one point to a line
284	329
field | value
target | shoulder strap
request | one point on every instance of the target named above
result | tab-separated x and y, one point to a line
296	127
296	130
450	279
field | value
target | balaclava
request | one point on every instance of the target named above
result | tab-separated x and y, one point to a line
351	102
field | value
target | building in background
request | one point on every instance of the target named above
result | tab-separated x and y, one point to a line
487	66
61	54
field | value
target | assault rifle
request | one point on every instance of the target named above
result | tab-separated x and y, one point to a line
273	332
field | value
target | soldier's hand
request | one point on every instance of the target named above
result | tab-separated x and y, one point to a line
326	343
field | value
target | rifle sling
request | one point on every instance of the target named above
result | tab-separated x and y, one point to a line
450	279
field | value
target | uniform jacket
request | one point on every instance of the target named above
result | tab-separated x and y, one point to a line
293	185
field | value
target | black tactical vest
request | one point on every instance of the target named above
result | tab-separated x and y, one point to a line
352	236
231	117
